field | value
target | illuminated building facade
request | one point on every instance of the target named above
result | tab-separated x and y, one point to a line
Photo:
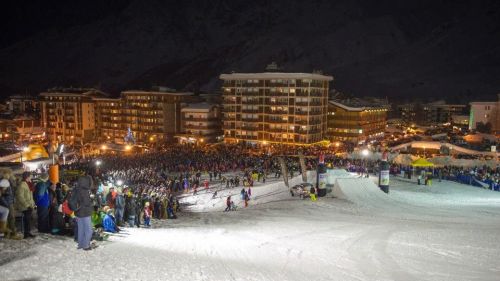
274	107
201	123
355	123
68	114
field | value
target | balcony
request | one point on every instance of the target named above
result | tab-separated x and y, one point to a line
276	111
277	103
246	128
278	130
202	127
251	110
251	102
207	119
273	120
251	119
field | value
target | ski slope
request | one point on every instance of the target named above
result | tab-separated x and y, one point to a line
446	231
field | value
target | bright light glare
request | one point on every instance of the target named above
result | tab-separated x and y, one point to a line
128	147
26	149
365	152
119	182
98	162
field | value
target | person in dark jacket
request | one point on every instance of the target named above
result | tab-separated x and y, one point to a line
119	208
131	210
83	211
42	201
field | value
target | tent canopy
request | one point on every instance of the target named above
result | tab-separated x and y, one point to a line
421	162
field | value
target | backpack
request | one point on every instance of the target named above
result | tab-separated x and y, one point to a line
73	201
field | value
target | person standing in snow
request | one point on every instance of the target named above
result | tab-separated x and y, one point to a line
228	204
42	201
242	194
81	203
147	215
120	208
246	199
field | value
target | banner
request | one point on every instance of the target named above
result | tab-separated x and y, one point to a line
284	171
384	178
303	166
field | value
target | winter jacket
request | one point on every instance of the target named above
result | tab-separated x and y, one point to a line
24	197
42	198
109	224
83	201
119	202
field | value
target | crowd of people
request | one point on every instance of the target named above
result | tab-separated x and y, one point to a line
131	190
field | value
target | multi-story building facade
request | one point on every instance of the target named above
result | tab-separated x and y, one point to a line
485	112
24	105
21	129
109	119
427	114
153	116
273	107
201	123
354	123
68	115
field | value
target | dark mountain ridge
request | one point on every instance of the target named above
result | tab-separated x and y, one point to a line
398	49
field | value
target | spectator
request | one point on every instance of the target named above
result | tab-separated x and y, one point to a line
25	203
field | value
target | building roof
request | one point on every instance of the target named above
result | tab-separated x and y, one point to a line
275	75
142	92
351	107
483	103
74	92
198	107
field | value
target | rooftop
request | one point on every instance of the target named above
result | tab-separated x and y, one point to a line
142	92
360	104
198	107
275	75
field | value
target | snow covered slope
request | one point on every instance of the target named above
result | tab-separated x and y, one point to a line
444	232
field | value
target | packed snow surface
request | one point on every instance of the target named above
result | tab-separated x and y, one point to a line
446	231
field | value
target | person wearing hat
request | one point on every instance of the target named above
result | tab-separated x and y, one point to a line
25	203
42	201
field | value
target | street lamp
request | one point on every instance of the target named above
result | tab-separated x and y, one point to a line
25	149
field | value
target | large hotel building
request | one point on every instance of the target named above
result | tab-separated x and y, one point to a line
83	115
274	107
68	114
352	122
153	116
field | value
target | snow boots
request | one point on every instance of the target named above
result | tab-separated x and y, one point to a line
7	232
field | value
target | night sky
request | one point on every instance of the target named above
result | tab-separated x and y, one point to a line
397	49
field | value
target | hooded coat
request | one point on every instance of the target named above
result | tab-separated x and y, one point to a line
82	193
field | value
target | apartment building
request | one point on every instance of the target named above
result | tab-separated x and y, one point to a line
201	123
153	116
24	105
485	112
275	107
355	123
68	114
